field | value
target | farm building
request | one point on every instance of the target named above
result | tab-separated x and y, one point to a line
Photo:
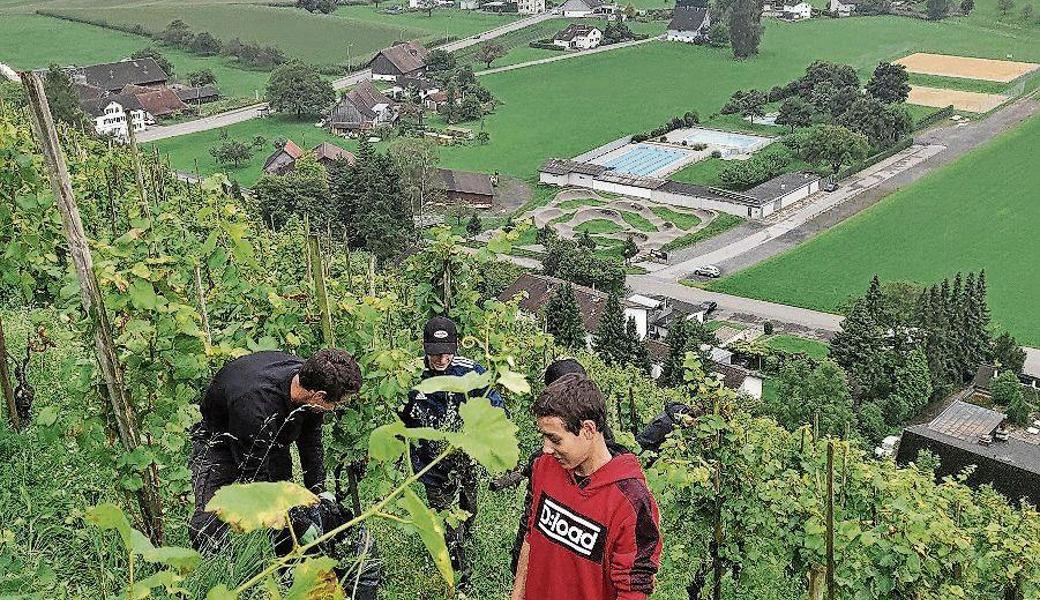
842	8
966	435
403	59
157	102
475	189
756	203
196	95
796	12
578	37
113	77
690	22
327	154
283	159
586	8
419	85
530	7
112	112
360	109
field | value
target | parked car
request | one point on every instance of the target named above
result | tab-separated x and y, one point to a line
707	271
709	306
830	186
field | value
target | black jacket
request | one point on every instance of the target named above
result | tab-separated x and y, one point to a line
247	409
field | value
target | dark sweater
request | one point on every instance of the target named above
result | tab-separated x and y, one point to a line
247	408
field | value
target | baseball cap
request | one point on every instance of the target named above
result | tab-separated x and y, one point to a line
561	367
440	336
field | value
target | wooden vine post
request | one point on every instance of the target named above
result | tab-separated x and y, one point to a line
122	409
830	519
320	291
5	382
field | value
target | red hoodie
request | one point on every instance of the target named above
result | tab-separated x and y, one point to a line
598	540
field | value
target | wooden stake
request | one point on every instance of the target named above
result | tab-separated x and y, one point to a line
632	418
320	292
5	382
202	306
90	295
830	519
135	157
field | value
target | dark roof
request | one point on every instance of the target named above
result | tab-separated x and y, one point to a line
85	92
966	422
688	18
649	183
709	193
96	107
290	148
539	288
406	56
732	376
188	93
418	82
115	76
658	350
365	97
560	166
589	3
465	182
983	376
781	185
327	151
574	30
671	310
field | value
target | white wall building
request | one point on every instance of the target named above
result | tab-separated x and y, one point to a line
578	37
797	12
113	115
530	7
842	8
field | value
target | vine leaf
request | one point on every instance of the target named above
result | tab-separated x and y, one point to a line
315	579
250	506
166	579
460	385
431	531
487	435
513	381
109	516
383	443
221	592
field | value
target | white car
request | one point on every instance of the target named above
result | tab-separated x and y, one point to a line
708	271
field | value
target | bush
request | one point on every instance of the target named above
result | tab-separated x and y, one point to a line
716	154
699	146
767	327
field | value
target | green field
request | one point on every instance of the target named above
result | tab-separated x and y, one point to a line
598	226
442	23
572	204
30	41
681	220
589	101
792	344
977	213
637	221
721	222
315	38
185	149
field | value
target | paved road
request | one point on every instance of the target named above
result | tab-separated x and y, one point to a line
565	56
499	31
9	73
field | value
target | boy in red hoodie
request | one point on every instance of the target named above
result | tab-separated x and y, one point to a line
592	530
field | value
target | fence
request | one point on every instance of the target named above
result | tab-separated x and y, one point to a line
875	159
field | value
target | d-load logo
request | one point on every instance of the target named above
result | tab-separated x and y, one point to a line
566	528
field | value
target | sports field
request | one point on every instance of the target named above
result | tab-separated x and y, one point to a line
966	67
978	213
31	41
975	102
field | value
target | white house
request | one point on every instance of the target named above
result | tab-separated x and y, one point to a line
578	37
469	4
113	114
581	8
796	12
842	8
530	7
689	24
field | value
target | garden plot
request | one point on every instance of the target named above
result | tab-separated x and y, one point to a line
966	67
975	102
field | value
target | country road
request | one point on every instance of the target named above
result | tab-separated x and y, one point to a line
565	56
256	110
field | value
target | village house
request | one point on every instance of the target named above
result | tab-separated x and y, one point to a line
403	59
361	109
530	7
475	189
196	94
585	8
420	86
284	159
157	102
113	77
112	114
538	289
690	22
796	12
842	8
578	37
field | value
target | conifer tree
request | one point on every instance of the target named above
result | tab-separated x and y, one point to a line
1007	392
1008	354
563	320
911	389
685	335
611	340
860	346
638	354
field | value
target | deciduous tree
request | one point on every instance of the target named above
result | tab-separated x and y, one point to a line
299	89
890	83
832	145
489	52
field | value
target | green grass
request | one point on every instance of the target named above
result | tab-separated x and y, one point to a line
663	79
562	218
598	226
579	202
721	223
977	213
443	21
792	344
185	149
957	83
702	172
314	38
719	324
637	221
684	221
32	41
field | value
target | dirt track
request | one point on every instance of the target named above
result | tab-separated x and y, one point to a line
965	67
967	101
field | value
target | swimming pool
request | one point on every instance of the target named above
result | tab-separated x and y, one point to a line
725	139
644	159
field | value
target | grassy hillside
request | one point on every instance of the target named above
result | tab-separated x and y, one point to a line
978	213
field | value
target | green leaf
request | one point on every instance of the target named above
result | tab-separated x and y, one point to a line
250	506
513	381
166	579
383	443
431	531
184	559
271	588
487	435
47	417
143	296
221	592
141	270
499	244
109	516
314	579
460	385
